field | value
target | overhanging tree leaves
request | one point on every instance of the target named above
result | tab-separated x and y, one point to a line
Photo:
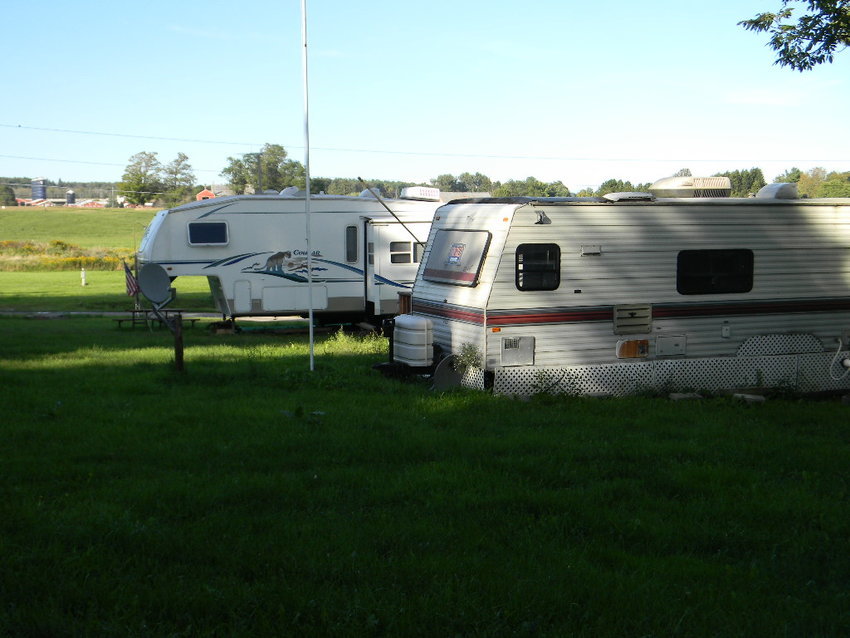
813	39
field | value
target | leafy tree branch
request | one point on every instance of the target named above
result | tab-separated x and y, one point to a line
813	39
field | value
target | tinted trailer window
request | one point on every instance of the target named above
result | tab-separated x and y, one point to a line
456	257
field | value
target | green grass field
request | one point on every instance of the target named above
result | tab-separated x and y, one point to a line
116	228
62	291
248	496
105	291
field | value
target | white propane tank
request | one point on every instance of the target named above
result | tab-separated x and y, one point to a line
413	341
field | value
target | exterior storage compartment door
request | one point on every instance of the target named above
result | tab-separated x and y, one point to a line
242	296
291	298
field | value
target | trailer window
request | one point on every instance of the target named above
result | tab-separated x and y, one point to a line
456	257
351	244
538	266
405	252
401	252
207	233
709	272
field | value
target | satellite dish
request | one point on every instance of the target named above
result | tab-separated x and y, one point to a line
155	283
445	375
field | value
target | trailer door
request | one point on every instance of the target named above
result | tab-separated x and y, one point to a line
392	259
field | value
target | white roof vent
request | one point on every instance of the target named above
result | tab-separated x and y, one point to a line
692	187
291	191
629	197
425	193
779	190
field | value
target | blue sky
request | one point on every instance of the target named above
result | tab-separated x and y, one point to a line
561	90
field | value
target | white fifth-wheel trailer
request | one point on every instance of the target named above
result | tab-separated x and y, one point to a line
253	251
632	292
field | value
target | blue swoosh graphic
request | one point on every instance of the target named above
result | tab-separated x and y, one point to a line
384	280
359	271
234	259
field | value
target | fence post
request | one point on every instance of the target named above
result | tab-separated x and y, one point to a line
178	343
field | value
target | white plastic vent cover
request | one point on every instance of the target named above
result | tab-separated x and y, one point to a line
517	351
632	319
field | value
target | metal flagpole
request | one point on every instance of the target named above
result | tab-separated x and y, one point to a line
307	177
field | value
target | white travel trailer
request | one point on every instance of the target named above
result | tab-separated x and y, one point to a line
253	251
632	293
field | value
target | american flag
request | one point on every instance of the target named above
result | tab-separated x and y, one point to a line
130	280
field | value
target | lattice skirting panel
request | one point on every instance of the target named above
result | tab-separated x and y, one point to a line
809	372
473	378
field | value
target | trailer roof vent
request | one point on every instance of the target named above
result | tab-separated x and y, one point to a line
779	190
425	193
629	197
692	187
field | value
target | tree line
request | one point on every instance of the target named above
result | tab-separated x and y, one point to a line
146	180
271	169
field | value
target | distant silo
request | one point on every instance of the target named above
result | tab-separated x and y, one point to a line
70	198
39	188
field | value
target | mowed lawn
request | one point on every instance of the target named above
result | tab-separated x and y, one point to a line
105	291
249	496
116	228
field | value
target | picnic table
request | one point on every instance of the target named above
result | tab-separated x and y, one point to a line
148	318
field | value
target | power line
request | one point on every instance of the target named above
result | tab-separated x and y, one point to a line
66	161
551	158
127	135
50	159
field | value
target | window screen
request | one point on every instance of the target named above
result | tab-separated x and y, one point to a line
707	272
538	266
351	243
207	233
456	257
